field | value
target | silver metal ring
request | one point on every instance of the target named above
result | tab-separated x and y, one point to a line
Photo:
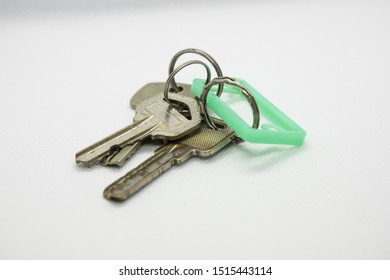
201	53
178	69
229	81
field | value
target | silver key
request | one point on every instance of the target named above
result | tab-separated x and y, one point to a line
120	155
203	142
154	118
151	89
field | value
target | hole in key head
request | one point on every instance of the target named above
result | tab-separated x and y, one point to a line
182	108
171	90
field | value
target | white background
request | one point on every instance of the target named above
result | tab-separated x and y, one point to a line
69	68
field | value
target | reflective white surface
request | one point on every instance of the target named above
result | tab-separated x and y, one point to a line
68	70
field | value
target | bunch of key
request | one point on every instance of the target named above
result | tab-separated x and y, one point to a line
175	115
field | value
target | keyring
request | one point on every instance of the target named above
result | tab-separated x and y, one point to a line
232	82
178	69
201	53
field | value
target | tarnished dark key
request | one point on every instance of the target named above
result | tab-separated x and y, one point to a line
203	143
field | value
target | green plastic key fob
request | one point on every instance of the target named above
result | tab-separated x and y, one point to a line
280	130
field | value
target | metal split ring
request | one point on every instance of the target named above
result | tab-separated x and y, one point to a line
171	77
201	53
229	81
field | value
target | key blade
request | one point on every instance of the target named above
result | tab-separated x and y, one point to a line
136	179
118	158
100	149
204	142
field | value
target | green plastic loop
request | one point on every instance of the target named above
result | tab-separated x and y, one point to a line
282	130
